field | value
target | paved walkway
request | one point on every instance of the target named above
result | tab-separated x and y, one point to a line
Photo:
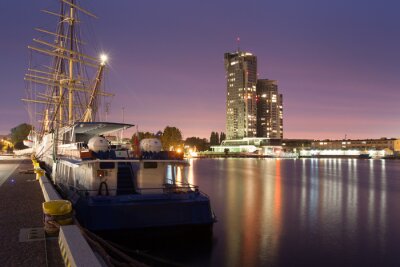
21	201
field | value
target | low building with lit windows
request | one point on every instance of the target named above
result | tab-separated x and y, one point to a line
250	145
383	147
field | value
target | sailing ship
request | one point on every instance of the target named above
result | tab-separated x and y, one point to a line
111	191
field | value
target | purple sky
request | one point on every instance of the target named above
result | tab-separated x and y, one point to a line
337	62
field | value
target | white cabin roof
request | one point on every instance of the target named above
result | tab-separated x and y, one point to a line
96	128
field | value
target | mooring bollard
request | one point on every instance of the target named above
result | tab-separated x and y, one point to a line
36	164
39	173
56	213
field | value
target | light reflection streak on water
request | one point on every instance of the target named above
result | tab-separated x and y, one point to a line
252	203
175	172
371	196
267	246
351	195
233	219
341	203
277	211
314	192
180	175
337	192
303	198
325	193
189	173
383	207
338	186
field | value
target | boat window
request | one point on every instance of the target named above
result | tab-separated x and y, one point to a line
82	137
107	165
176	174
151	177
166	177
149	165
66	137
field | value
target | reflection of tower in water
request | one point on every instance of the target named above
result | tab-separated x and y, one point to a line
253	192
254	201
276	227
232	213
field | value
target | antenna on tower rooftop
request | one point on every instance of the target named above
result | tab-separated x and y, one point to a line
238	43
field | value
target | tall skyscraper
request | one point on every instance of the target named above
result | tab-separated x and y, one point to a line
241	106
269	110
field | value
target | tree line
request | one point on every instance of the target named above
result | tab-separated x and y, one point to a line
216	139
171	138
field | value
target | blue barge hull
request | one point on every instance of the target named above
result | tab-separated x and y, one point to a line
138	212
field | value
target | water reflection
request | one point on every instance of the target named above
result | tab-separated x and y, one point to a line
285	212
276	228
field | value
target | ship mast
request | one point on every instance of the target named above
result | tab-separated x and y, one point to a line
61	70
64	89
71	21
91	108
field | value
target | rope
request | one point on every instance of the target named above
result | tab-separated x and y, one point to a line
146	256
96	246
100	191
51	222
109	251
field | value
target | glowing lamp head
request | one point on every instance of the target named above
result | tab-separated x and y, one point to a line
103	59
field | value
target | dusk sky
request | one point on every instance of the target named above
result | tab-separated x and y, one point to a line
337	62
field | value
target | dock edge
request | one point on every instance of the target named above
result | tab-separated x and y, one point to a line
74	249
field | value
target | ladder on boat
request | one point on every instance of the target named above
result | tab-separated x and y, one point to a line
125	180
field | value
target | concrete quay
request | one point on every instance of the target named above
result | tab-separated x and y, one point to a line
21	218
24	242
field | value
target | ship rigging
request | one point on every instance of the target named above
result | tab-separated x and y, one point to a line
67	92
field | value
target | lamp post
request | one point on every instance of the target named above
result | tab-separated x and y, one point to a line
123	121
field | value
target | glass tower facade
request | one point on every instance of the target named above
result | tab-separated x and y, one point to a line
241	95
269	110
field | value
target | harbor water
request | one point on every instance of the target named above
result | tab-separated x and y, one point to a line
297	212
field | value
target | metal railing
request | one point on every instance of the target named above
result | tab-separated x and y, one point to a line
167	188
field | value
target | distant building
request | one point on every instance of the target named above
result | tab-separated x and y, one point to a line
358	144
269	110
266	147
343	144
250	145
296	144
383	147
241	106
